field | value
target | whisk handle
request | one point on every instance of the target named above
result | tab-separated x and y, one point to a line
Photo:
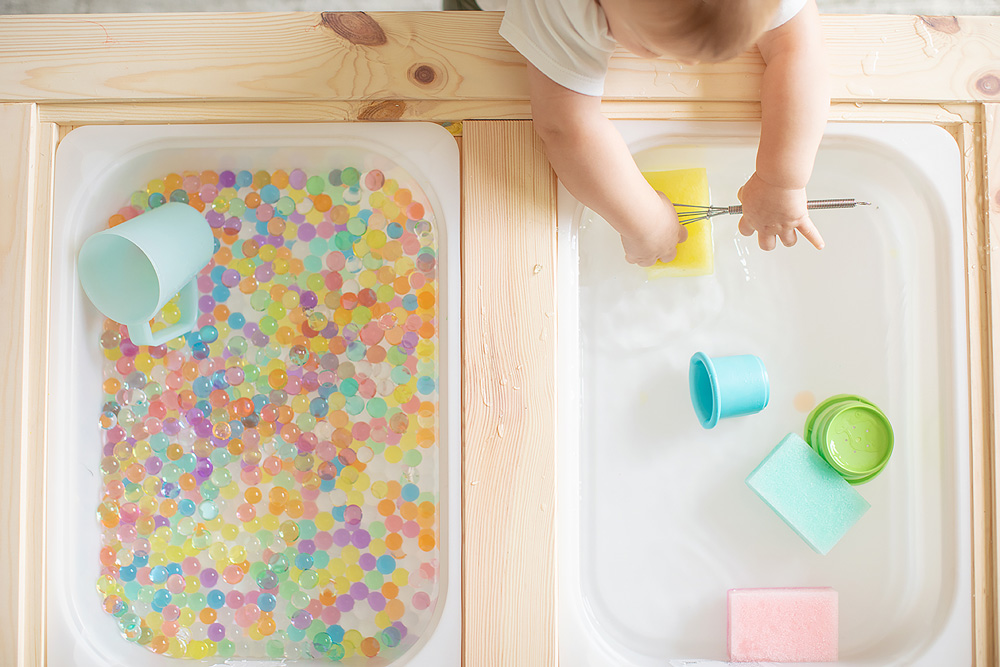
812	204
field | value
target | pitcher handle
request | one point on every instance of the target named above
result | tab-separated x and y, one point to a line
142	333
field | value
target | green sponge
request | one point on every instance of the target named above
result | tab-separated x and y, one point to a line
809	495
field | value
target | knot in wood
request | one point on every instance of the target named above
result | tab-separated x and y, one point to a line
356	27
423	74
988	84
383	110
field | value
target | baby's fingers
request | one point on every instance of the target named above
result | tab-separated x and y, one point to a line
746	229
808	230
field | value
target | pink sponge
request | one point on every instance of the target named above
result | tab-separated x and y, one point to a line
783	624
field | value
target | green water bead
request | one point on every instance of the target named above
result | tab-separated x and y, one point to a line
251	372
315	185
275	648
277	311
268	325
354	405
285	205
278	563
306	422
377	407
336	653
395	356
350	176
309	579
146	594
186	526
221	457
287	588
237	346
300	599
260	300
221	477
226	648
209	491
357	226
412	458
208	510
374	580
313	265
237	207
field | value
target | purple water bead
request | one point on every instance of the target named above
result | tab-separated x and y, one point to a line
227	179
171	426
308	299
216	632
259	339
203	468
232	225
206	304
203	429
302	619
376	601
352	514
341	537
215	219
308	547
344	603
367	562
307	232
359	591
209	577
128	348
230	278
361	539
263	273
154	465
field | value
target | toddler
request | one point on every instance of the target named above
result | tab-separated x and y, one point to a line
568	44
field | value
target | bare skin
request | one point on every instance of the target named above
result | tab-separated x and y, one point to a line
584	147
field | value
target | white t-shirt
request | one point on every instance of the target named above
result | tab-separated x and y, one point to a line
568	40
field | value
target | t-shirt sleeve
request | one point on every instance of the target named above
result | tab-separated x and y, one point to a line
567	40
786	10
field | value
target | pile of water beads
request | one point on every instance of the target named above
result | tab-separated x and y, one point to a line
270	480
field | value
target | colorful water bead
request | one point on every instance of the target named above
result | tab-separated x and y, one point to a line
269	503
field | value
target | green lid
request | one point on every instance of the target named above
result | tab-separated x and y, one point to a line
852	434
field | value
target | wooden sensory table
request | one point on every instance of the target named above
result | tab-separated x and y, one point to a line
61	72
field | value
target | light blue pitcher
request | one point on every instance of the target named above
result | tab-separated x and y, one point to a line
130	271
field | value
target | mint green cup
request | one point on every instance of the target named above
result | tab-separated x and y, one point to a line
130	271
852	434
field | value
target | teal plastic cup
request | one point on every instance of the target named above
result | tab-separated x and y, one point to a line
723	387
130	271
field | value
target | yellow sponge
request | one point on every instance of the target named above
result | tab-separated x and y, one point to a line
694	256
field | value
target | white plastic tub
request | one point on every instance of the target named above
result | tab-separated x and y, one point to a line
655	520
97	168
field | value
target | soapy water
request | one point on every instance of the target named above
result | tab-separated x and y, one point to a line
270	485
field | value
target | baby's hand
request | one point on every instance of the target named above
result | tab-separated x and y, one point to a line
659	237
773	211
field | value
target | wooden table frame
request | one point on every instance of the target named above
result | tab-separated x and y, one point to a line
60	72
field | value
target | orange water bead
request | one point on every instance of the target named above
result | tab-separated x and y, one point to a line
190	370
170	628
172	182
241	407
408	511
186	399
275	226
196	202
174	451
279	179
135	473
187	482
322	202
415	211
290	433
248	285
426	438
107	556
426	299
386	507
265	625
327	598
159	644
427	330
116	220
235	446
252	200
401	285
376	354
168	507
390	590
395	609
250	248
218	398
294	508
111	386
285	414
337	345
370	646
393	489
252	495
278	495
209	177
403	197
207	616
339	214
224	256
426	540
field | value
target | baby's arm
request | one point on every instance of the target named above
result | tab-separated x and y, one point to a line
795	101
593	162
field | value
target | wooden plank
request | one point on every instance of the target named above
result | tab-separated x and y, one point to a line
508	391
394	56
987	201
34	441
100	113
17	541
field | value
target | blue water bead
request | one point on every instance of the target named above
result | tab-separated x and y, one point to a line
208	510
267	602
243	179
236	321
127	573
319	407
220	293
409	492
156	200
188	462
199	351
236	428
158	574
327	389
140	559
216	599
385	564
208	333
393	230
186	507
170	490
269	194
216	274
410	302
193	337
201	387
174	568
204	407
304	561
425	385
336	633
338	513
219	380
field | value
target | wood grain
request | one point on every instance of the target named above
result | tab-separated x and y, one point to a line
986	199
508	388
443	55
17	183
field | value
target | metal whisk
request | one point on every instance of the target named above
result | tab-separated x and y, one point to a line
688	213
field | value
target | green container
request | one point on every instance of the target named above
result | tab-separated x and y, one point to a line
851	434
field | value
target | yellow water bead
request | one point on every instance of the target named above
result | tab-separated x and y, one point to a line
336	568
404	266
144	362
156	556
298	195
218	551
426	349
245	266
175	553
280	267
114	354
350	554
197	649
254	632
376	547
324	521
375	238
237	554
354	637
379	490
400	577
390	186
267	252
391	209
382	619
186	618
270	522
157	544
341	585
355	497
313	216
300	404
191	584
154	620
319	345
216	523
230	531
230	491
367	278
253	525
393	454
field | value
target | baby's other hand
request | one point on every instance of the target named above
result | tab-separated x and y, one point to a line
660	235
774	211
